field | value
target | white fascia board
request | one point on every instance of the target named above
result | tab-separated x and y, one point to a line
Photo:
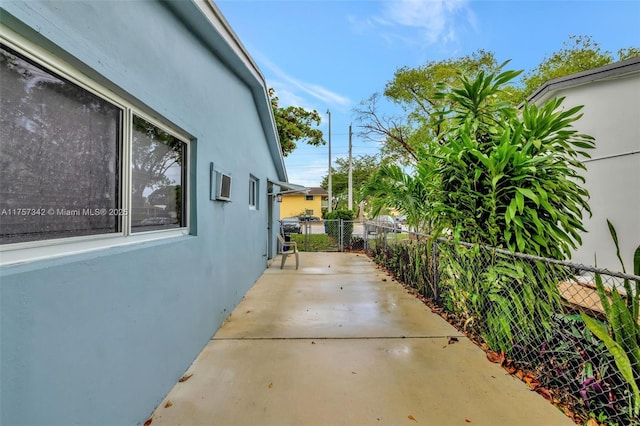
620	69
201	16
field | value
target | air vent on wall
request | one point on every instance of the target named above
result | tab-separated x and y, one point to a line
224	187
220	185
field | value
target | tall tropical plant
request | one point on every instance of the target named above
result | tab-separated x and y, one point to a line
622	336
410	194
511	179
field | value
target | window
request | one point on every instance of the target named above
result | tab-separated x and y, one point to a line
253	193
308	197
157	178
308	212
65	170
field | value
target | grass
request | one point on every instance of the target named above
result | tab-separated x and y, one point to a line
317	242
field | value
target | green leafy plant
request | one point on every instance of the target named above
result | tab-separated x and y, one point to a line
622	333
507	300
507	179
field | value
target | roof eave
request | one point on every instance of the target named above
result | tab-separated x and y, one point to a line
200	16
606	72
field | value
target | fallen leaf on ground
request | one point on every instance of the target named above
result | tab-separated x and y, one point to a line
592	422
467	420
494	357
353	372
545	393
410	417
313	343
453	340
270	385
185	378
384	279
148	422
168	404
531	381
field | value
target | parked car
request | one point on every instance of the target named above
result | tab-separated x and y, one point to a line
159	220
384	223
401	219
290	225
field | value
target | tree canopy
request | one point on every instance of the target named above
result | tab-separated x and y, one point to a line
295	124
415	91
364	166
579	53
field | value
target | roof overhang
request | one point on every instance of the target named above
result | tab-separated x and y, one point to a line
206	21
289	187
606	72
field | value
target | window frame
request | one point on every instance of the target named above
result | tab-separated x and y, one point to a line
254	193
23	252
309	197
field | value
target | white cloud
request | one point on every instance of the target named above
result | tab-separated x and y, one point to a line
288	87
307	173
417	21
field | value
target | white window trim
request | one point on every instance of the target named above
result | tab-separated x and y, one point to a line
255	203
18	253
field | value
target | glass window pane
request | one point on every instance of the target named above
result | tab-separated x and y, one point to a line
253	192
157	178
59	149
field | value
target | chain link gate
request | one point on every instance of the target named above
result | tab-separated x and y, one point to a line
332	235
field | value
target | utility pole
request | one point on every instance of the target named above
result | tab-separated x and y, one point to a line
350	201
330	198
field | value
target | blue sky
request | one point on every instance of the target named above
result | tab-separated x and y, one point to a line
333	54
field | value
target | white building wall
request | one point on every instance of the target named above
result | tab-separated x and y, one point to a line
612	117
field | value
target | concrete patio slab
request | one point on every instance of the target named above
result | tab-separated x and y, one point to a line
345	347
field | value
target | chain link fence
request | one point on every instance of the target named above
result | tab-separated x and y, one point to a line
528	312
331	235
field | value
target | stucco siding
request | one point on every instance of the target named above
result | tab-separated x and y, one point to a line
100	337
612	116
295	205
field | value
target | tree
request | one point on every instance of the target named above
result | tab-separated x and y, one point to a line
410	194
415	90
579	53
364	166
295	124
628	52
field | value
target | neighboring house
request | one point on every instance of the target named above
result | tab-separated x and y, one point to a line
313	202
611	99
138	163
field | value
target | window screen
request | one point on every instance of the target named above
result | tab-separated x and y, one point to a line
59	156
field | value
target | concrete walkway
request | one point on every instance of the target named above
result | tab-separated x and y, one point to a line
338	342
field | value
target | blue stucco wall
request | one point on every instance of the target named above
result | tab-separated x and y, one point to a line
101	337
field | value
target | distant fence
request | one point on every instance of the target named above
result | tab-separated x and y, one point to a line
332	235
526	309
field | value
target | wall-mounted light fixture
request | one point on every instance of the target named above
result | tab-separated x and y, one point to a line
278	195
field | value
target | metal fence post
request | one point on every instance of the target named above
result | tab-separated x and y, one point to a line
436	295
365	235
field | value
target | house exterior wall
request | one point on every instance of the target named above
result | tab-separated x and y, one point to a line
297	204
611	116
100	337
